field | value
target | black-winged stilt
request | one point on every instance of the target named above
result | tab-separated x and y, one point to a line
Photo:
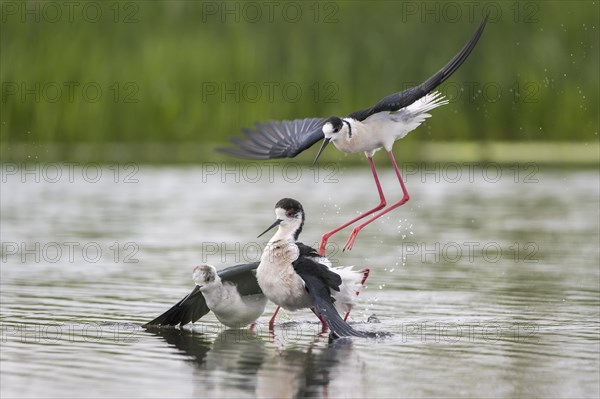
294	276
232	294
366	130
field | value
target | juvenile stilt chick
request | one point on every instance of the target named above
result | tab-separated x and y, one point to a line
233	308
233	294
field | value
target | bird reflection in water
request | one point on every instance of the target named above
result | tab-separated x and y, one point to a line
241	363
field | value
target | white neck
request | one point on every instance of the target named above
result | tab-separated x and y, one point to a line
213	294
287	228
285	233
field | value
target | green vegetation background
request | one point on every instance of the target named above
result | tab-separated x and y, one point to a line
533	76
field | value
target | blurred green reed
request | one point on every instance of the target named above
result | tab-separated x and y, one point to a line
183	71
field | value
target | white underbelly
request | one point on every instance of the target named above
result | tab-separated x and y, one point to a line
241	312
379	133
282	286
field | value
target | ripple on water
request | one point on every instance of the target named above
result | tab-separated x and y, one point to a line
459	327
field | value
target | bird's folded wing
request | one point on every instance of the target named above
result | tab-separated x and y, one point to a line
307	267
319	280
306	250
189	309
402	99
276	139
324	308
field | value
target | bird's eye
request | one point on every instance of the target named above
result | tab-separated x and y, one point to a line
290	214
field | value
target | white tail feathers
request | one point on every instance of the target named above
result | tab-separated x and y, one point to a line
426	103
351	284
410	117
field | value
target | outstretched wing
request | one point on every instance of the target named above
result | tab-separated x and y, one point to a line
243	276
399	100
319	280
189	309
284	139
193	306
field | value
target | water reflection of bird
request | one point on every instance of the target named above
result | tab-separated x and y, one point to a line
239	363
228	363
233	295
366	130
195	345
334	371
292	277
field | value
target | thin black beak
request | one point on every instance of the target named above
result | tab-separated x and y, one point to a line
325	142
276	223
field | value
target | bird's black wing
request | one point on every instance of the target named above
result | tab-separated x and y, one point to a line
243	276
276	139
305	250
318	281
193	306
189	309
402	99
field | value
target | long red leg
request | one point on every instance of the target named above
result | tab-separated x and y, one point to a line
323	325
405	197
382	204
272	321
362	282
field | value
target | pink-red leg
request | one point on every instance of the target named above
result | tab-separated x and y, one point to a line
405	197
272	321
382	204
362	282
323	325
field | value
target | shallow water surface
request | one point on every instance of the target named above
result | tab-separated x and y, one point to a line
487	285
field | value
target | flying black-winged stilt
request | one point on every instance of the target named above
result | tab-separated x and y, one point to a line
294	276
366	130
233	295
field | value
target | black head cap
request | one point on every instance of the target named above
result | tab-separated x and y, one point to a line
336	123
289	204
294	206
